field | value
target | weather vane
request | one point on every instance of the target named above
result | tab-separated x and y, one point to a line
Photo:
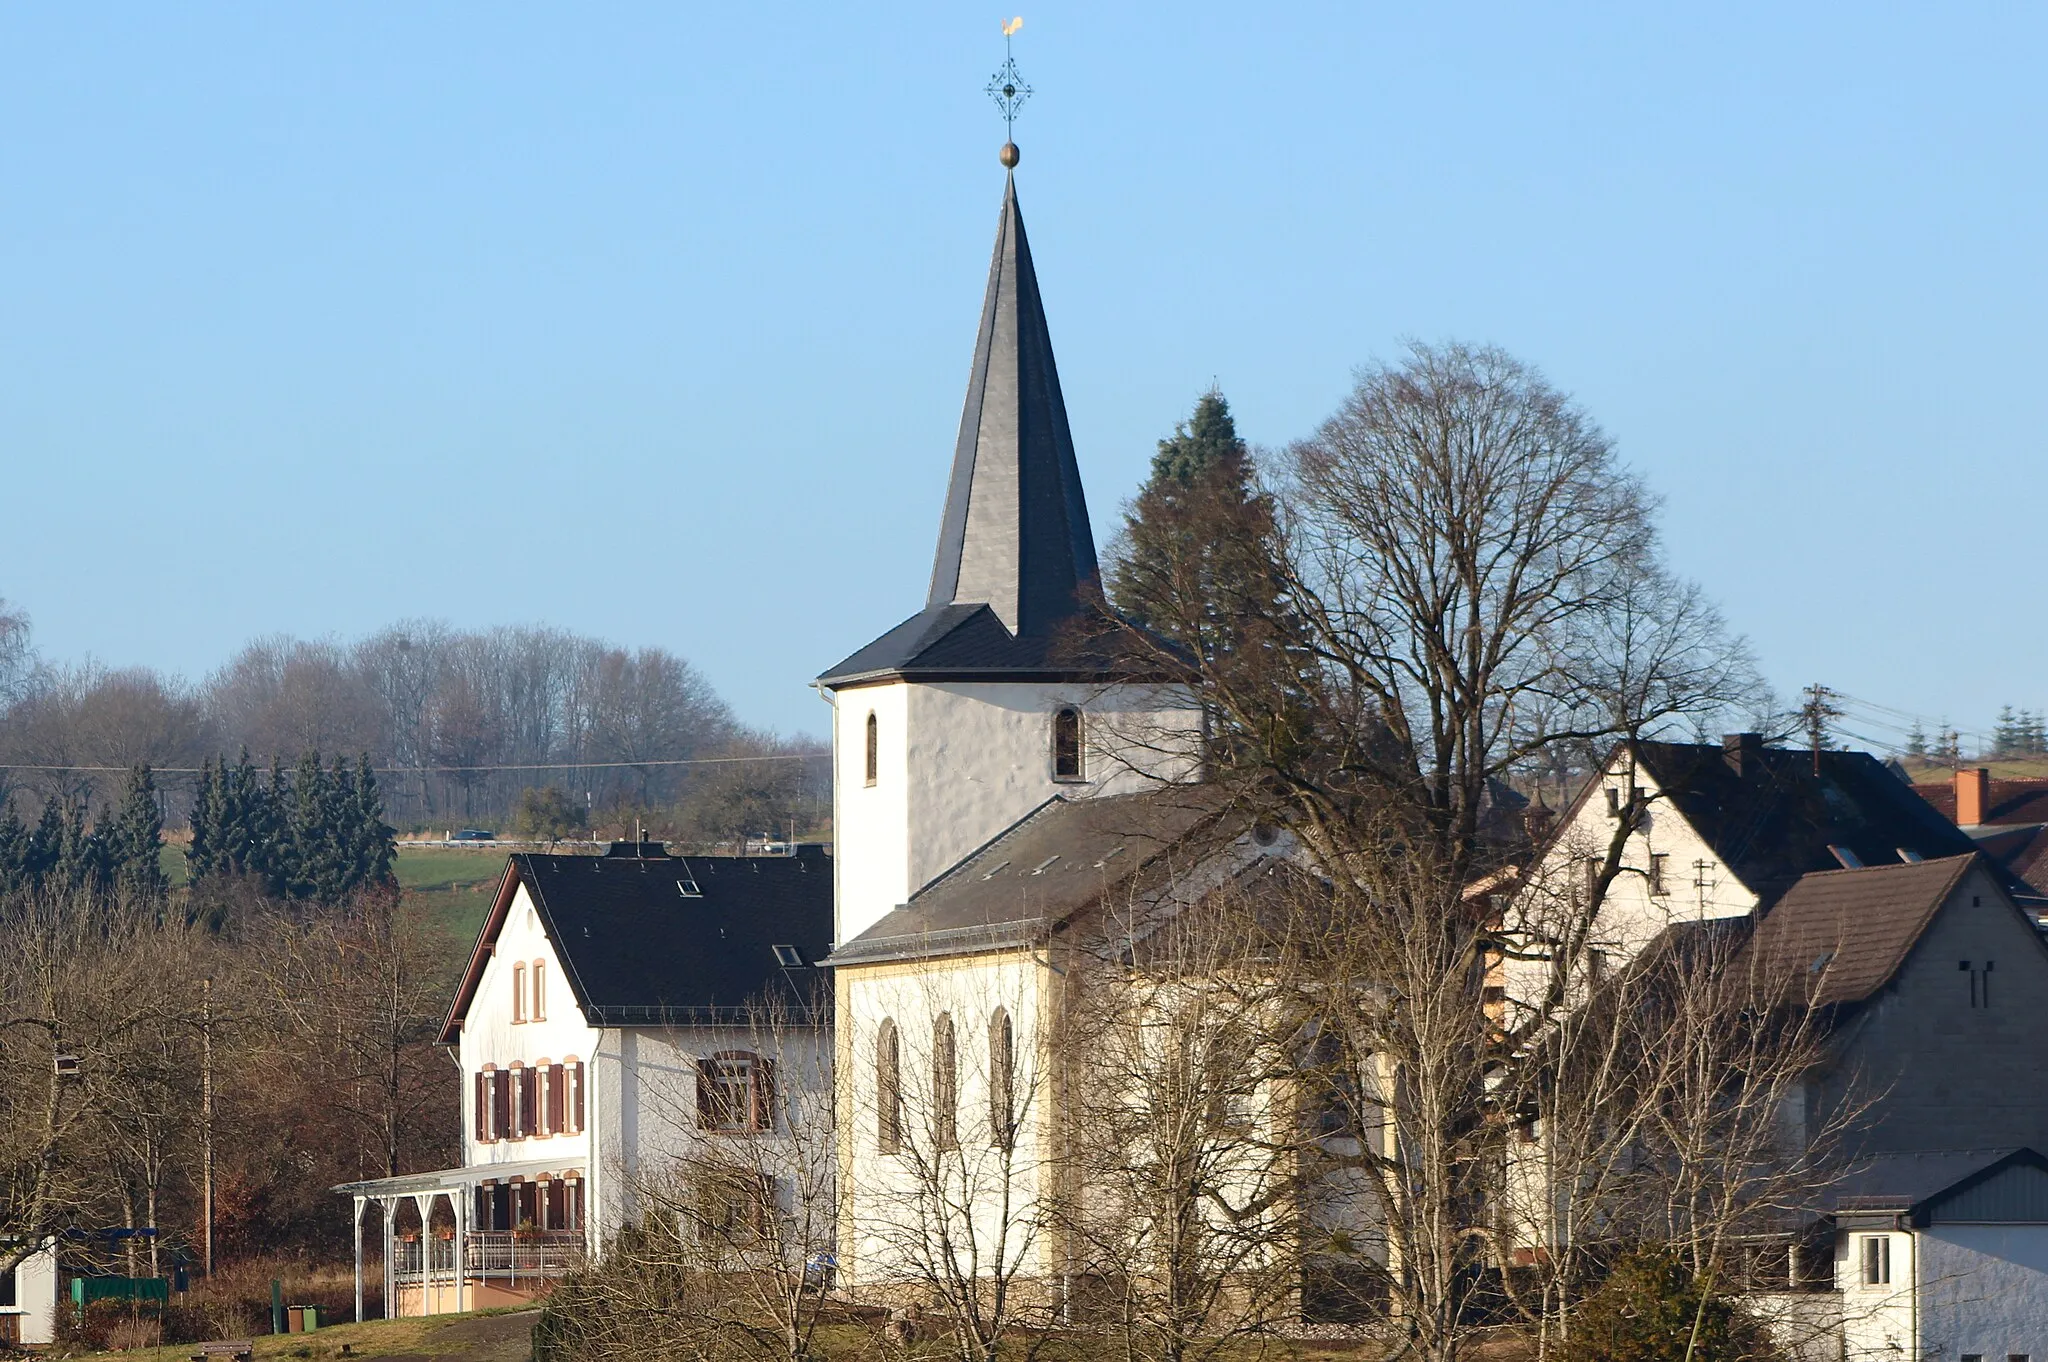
1009	91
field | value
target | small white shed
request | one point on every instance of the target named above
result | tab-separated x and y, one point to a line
28	1298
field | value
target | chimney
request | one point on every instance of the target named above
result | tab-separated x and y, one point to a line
1744	752
1973	797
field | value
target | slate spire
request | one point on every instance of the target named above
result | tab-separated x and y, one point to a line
1015	535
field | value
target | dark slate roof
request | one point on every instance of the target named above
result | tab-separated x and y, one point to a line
1909	1183
1775	820
1845	933
637	949
1016	557
1057	860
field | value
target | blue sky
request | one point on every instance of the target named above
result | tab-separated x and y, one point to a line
652	320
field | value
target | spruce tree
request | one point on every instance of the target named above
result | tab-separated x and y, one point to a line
45	845
199	854
374	846
1916	742
82	860
14	850
134	842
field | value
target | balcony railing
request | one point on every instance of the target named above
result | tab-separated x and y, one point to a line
492	1253
538	1253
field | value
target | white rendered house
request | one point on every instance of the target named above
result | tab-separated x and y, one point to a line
613	1020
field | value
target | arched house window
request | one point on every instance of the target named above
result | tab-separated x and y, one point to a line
519	992
1002	1080
874	747
1067	748
945	1084
540	990
888	1090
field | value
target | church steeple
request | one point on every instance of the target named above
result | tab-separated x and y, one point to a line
1015	534
1016	561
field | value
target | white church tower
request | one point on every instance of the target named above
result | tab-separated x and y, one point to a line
987	703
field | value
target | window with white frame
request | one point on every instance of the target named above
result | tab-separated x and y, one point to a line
1877	1260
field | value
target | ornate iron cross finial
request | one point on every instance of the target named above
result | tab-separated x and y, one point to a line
1009	91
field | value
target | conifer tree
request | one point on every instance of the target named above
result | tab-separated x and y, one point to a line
199	854
14	851
374	846
134	843
46	845
1916	742
1192	567
82	860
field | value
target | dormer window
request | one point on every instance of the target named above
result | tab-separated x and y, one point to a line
874	754
1066	744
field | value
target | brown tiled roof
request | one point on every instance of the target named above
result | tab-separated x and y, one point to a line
1848	931
2012	801
2015	830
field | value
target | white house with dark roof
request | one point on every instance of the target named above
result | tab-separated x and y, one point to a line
1925	971
615	1017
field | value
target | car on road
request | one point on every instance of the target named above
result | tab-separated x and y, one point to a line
473	835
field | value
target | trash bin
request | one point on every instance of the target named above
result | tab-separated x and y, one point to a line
301	1319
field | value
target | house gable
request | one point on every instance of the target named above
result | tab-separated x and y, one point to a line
1947	1052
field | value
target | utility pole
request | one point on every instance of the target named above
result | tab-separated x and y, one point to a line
1814	716
206	1112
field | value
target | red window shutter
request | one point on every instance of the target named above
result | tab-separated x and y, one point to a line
764	1093
501	1106
555	1126
528	1099
480	1109
576	1102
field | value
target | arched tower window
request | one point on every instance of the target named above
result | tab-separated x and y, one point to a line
1066	744
945	1084
874	755
1002	1080
888	1090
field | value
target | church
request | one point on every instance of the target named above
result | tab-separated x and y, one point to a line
993	775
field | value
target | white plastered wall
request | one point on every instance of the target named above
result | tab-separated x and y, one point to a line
1877	1320
959	762
35	1296
645	1100
1983	1289
1696	886
490	1036
882	1195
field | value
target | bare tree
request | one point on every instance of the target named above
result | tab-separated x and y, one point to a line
1180	1216
87	987
1469	589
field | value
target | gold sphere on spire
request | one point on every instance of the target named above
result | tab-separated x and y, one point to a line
1009	155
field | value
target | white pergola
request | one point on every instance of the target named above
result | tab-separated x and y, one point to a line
459	1185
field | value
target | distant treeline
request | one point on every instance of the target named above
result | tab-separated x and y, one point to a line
445	713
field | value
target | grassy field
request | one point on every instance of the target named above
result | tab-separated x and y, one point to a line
1936	773
452	886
